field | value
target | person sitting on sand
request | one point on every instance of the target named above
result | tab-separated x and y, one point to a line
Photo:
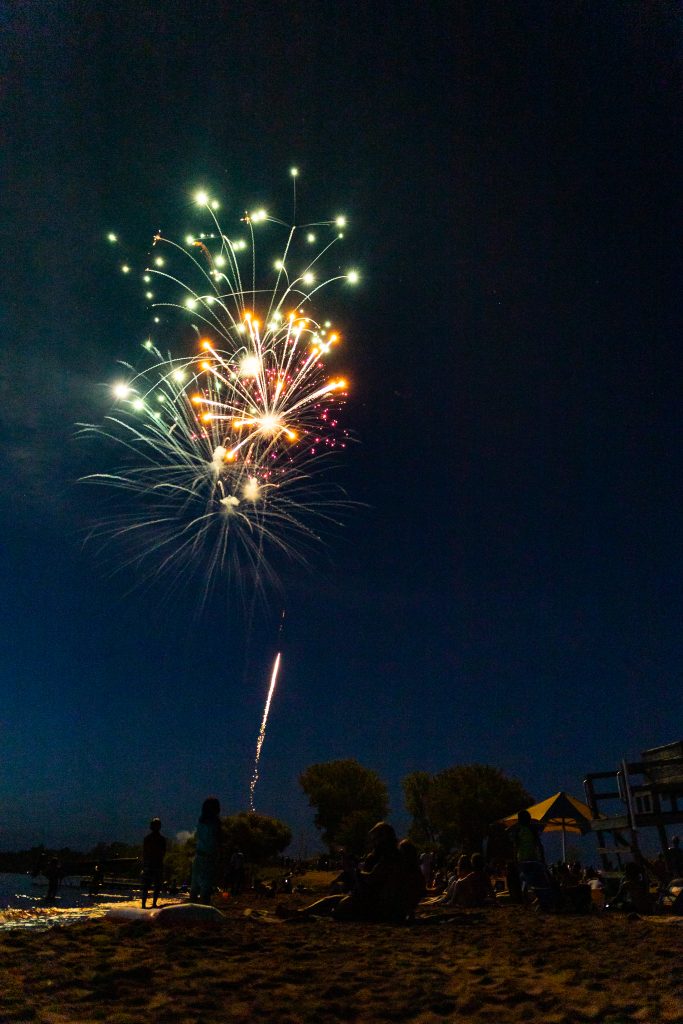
464	867
380	892
597	888
207	856
560	873
412	888
346	879
462	870
471	887
153	853
633	895
378	884
575	872
439	881
475	888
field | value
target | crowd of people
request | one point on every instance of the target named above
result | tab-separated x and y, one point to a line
393	878
641	886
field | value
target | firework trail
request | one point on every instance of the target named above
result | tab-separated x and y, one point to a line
264	720
222	448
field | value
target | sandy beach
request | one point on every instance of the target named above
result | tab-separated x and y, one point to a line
501	964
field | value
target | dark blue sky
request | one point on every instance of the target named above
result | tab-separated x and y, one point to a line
511	594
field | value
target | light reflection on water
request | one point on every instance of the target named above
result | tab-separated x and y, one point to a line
23	902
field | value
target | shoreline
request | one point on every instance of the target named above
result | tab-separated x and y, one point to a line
37	918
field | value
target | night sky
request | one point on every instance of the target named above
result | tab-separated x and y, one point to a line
508	588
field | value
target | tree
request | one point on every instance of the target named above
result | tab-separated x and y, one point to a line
178	860
460	803
349	799
258	837
416	788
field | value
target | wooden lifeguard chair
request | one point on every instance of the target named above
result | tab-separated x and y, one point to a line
641	794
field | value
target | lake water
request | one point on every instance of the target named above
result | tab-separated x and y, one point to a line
23	901
24	892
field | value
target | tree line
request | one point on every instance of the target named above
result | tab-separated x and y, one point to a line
451	809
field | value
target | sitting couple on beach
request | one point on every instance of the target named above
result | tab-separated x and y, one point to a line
387	888
469	886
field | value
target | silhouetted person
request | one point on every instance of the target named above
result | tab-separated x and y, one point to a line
675	858
153	853
53	873
474	888
346	878
530	858
237	873
387	888
96	880
463	869
633	895
660	869
207	857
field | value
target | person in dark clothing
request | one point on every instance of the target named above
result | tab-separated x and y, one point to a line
208	853
675	858
475	888
153	853
53	873
633	895
237	872
346	878
533	873
378	883
385	889
96	880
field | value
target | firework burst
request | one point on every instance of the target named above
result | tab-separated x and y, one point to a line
222	449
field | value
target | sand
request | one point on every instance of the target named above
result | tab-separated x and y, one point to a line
499	965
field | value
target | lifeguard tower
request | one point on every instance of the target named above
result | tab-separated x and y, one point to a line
637	795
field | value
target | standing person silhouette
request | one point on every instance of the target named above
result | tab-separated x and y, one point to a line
675	857
207	857
96	880
153	853
237	872
533	873
53	873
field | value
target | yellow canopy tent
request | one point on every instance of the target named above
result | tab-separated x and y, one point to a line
559	813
